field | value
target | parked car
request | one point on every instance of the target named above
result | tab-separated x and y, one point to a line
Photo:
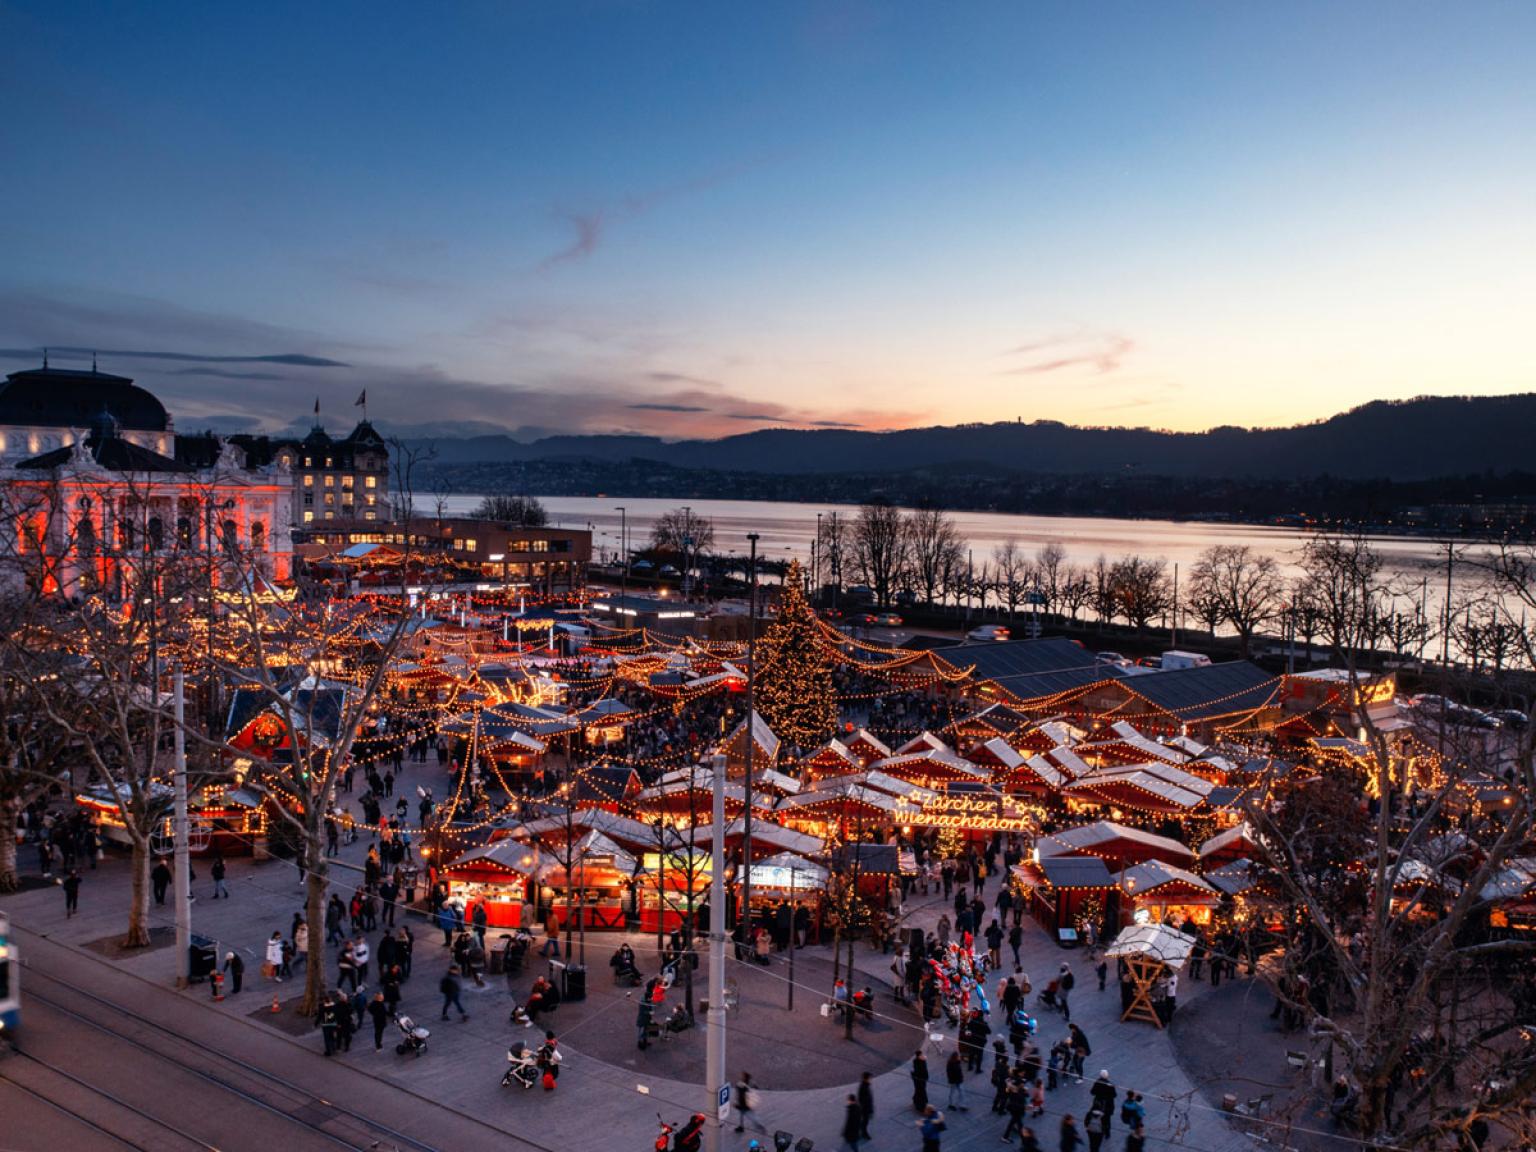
988	632
1513	718
831	614
1111	658
888	620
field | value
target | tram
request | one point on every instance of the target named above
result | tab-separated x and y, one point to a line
10	980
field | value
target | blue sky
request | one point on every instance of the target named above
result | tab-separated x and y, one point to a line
698	219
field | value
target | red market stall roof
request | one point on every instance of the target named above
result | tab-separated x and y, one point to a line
996	753
865	746
924	742
1124	743
632	834
678	797
832	758
830	800
891	785
764	739
1037	771
1154	882
591	850
929	766
1109	841
1143	787
511	857
1064	872
1236	843
765	836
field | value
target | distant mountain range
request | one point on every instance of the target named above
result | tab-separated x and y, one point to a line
1407	440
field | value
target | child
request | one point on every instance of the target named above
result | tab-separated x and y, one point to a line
1037	1098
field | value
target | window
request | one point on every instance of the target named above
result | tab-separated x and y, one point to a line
330	497
184	532
367	515
329	515
156	534
309	461
309	481
258	537
308	499
371	482
469	545
346	481
329	462
330	481
308	516
368	499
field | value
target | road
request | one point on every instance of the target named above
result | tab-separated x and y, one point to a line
141	1068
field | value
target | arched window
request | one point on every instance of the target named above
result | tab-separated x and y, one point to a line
85	536
125	534
231	536
258	537
156	533
184	532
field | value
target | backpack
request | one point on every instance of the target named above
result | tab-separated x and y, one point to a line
1094	1124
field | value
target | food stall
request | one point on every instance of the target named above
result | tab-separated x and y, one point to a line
1159	893
495	875
790	881
1064	890
598	885
1150	952
668	881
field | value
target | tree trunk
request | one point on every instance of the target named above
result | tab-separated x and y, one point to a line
9	809
138	907
317	882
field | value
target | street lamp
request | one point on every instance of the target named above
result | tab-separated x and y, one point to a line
624	549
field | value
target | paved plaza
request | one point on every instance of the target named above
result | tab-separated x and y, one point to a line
609	1091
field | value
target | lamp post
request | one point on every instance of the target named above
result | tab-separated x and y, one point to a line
746	815
816	561
623	555
714	1036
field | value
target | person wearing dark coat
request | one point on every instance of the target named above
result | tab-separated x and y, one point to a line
866	1104
919	1082
853	1120
378	1009
1069	1137
1104	1096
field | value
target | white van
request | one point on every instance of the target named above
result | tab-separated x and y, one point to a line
1176	659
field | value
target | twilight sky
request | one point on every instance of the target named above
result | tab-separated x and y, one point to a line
698	219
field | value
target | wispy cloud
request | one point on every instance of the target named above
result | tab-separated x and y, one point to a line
667	407
830	424
1103	352
681	378
292	359
757	417
225	374
588	228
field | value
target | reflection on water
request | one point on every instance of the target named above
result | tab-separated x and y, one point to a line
787	530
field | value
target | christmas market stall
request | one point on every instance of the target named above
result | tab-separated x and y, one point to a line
495	875
787	894
598	885
672	884
1117	844
1065	892
1149	954
1159	893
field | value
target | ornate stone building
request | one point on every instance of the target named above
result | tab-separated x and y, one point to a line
86	494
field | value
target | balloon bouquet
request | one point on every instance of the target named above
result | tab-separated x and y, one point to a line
960	977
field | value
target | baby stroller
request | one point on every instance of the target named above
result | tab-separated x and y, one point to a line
522	1066
412	1038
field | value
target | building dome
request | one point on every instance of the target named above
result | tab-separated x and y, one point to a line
71	398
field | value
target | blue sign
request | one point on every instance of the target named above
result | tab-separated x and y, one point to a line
724	1108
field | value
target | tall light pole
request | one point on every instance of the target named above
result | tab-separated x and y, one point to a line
816	561
623	555
687	544
746	815
714	1036
183	874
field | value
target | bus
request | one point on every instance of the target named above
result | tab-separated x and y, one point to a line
10	980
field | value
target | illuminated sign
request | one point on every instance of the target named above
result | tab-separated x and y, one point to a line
977	813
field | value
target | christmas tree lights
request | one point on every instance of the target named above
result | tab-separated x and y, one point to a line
793	689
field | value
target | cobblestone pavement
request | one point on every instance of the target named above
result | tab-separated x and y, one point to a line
609	1093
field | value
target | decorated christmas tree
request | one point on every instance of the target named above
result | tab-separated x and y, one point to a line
793	690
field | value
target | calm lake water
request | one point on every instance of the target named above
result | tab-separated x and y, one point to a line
786	530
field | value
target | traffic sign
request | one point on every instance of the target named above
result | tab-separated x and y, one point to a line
724	1108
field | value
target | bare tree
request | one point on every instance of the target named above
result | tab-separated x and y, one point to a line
1052	572
681	531
1013	574
933	546
1074	591
1387	953
1101	590
879	547
1246	585
517	511
1142	591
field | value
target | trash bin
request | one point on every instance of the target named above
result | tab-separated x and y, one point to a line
499	955
575	982
202	958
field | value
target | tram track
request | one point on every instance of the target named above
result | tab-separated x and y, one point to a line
291	1099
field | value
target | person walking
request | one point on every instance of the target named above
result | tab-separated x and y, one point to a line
919	1076
160	880
994	938
1104	1096
866	1099
1069	1135
218	870
274	957
1015	942
451	989
954	1074
1064	983
1081	1050
328	1020
1016	1104
1136	1139
478	919
852	1124
378	1011
746	1104
71	893
931	1125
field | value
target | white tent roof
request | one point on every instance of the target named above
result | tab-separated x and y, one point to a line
1155	941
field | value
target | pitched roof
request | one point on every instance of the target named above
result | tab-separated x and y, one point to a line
1208	691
